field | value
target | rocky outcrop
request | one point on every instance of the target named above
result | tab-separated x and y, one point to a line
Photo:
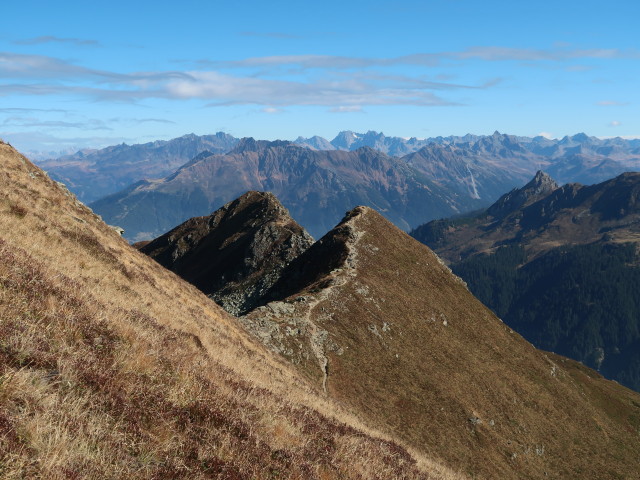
539	187
236	254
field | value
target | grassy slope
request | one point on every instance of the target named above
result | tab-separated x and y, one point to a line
112	367
417	355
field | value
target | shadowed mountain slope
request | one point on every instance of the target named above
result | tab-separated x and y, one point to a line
112	367
571	214
317	187
235	254
373	317
480	170
559	265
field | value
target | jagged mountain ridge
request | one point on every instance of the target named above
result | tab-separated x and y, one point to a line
235	254
540	186
552	216
315	186
92	174
619	148
559	265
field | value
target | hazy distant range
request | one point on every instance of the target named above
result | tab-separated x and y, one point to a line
149	188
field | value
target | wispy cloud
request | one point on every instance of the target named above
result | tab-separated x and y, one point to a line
337	82
31	110
323	61
611	103
615	123
346	109
234	90
272	110
525	54
488	53
27	122
32	67
53	39
151	120
138	121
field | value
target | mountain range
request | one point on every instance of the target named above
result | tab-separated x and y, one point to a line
94	173
471	171
317	187
559	265
375	320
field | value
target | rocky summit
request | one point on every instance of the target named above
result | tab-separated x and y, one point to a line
540	186
235	254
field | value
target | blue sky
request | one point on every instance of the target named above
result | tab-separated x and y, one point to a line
90	74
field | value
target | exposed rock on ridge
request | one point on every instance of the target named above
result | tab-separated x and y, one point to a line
539	187
235	254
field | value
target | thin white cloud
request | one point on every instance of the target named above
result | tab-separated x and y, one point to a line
55	124
346	109
151	120
525	54
611	103
53	39
35	67
615	123
272	110
31	110
484	53
232	90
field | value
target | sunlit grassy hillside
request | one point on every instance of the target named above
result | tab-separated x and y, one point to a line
112	367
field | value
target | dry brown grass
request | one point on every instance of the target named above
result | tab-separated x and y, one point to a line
417	355
112	367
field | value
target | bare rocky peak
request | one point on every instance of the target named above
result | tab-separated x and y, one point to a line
235	254
250	144
540	186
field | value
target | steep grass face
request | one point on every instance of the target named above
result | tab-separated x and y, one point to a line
112	367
